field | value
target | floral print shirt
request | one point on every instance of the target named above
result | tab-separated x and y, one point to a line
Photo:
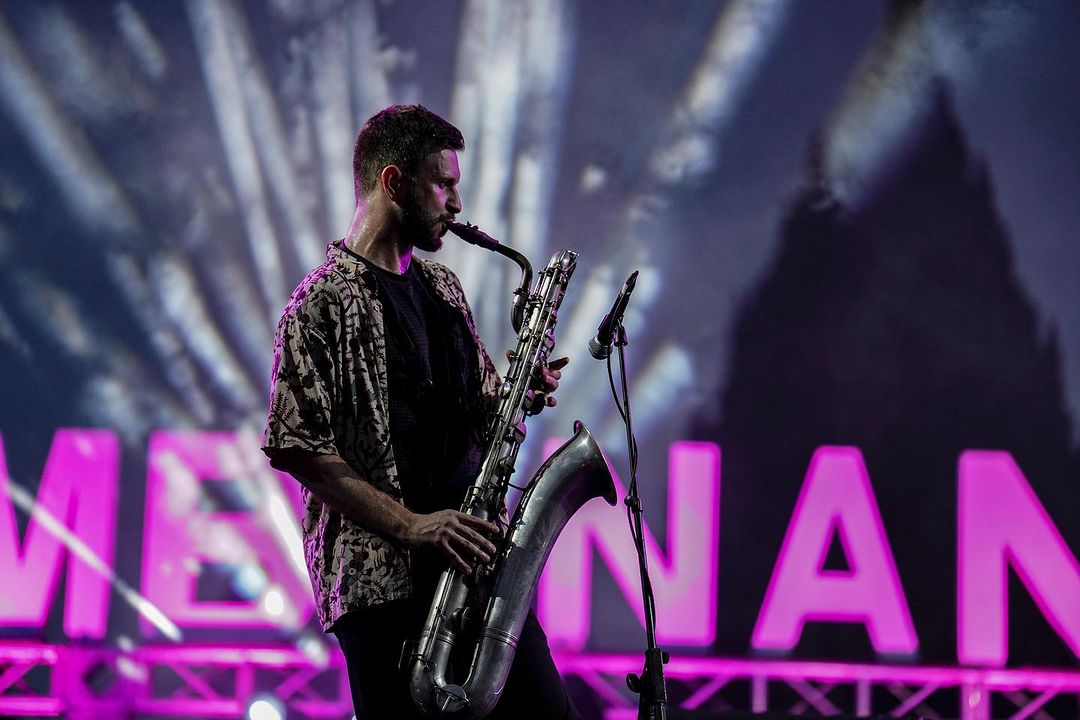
329	396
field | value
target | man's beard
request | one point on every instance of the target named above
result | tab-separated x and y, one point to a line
420	229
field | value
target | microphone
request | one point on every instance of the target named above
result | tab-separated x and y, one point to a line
600	345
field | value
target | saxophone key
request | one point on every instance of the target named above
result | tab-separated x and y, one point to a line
505	467
516	433
532	402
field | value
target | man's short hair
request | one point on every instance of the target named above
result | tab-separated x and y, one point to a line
402	135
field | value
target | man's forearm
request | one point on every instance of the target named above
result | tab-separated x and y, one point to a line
460	537
334	482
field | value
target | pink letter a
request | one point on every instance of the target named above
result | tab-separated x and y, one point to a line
836	496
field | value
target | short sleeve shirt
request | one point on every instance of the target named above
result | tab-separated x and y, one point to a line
329	395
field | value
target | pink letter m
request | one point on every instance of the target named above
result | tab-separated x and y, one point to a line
77	494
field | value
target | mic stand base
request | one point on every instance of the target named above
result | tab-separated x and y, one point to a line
651	686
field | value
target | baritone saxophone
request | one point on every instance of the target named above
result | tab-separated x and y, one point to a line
467	643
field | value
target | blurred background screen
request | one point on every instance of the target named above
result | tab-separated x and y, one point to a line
854	345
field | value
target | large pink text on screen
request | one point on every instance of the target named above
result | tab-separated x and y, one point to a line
1001	524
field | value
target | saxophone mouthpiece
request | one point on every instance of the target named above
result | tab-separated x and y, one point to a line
473	235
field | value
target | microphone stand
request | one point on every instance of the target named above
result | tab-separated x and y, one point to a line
650	685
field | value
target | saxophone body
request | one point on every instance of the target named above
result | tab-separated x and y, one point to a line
468	641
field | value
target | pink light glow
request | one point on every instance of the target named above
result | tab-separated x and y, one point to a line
684	580
78	489
1002	524
179	537
836	495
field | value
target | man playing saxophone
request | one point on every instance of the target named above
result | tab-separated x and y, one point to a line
380	395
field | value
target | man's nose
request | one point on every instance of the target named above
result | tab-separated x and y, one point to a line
453	202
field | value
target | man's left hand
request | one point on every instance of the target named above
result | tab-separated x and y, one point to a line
548	380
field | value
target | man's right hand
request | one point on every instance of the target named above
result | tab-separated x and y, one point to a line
457	535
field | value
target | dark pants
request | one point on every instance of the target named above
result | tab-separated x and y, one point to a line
371	640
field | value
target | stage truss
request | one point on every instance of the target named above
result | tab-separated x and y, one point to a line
825	689
84	683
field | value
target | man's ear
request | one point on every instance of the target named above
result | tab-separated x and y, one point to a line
392	182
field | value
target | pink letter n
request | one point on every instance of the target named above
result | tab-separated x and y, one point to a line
77	496
1002	524
683	578
836	497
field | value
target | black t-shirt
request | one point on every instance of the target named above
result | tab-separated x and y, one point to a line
437	439
417	377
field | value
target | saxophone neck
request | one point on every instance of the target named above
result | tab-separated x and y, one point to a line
521	295
475	236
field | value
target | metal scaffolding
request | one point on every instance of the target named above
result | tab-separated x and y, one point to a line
833	688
